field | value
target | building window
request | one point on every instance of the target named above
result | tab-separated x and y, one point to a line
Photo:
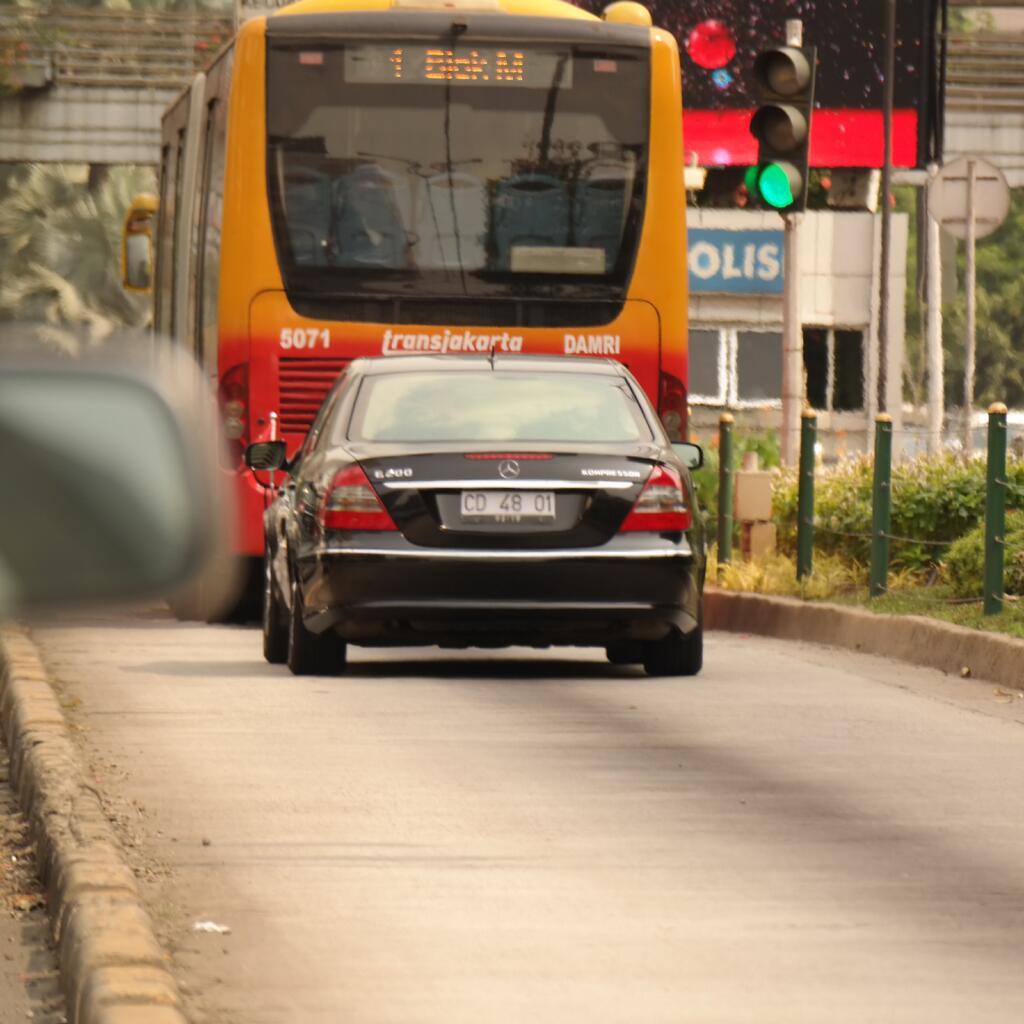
848	360
816	368
708	376
736	368
834	369
758	376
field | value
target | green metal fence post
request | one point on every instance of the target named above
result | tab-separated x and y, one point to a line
725	482
995	509
881	506
805	498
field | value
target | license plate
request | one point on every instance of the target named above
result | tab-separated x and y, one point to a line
507	506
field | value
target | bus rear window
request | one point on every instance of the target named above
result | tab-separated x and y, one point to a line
461	169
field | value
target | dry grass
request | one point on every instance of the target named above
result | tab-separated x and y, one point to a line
776	574
909	593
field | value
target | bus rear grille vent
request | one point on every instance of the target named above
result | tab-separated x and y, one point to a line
305	380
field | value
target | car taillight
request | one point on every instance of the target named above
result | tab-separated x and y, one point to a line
233	398
662	505
672	406
352	504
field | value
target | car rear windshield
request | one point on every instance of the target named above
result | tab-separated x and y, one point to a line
489	406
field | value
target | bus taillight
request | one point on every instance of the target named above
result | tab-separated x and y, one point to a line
233	397
672	405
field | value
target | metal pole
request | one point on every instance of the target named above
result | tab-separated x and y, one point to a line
792	344
792	334
805	496
725	483
933	297
881	506
885	254
995	509
273	437
969	281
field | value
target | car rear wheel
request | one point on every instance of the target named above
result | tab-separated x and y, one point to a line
677	655
275	618
308	653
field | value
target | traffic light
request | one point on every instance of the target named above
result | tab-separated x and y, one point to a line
784	81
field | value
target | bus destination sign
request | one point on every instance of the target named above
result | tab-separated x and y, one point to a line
432	64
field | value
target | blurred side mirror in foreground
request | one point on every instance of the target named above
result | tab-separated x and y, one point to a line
691	455
109	494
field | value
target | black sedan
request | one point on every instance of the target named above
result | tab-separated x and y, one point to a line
482	502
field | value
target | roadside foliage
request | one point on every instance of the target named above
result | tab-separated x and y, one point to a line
965	562
764	443
935	501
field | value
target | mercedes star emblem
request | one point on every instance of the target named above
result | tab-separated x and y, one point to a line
508	469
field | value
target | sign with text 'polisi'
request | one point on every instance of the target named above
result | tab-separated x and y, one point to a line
735	262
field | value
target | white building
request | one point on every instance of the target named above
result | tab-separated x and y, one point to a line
736	285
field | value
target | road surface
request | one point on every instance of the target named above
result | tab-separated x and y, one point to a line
799	834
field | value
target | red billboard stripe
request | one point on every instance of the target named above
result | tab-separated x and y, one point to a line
839	138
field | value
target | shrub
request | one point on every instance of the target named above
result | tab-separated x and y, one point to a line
964	564
705	480
935	500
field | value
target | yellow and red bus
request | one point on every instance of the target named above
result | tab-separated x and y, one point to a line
367	177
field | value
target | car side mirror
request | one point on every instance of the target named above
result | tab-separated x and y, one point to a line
267	455
691	455
137	244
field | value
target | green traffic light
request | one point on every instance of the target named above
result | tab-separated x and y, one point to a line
775	186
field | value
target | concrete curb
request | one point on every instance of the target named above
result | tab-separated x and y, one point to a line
112	968
911	638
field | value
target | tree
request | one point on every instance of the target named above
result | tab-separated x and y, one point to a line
999	318
999	315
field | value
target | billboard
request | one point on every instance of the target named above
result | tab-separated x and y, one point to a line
719	40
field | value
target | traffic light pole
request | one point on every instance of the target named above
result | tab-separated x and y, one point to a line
792	332
885	252
969	319
792	343
784	87
934	335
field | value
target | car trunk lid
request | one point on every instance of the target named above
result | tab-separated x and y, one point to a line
510	497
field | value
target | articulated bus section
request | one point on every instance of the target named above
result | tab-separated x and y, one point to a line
351	178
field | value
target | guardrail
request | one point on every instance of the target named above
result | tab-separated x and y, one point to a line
985	71
128	49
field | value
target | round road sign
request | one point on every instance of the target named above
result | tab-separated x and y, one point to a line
948	191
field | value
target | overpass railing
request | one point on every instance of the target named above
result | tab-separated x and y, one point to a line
127	49
985	72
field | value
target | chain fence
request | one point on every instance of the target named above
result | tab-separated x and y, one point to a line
950	496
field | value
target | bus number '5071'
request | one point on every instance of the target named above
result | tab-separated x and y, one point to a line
305	337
